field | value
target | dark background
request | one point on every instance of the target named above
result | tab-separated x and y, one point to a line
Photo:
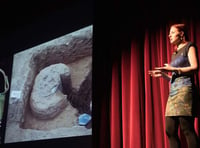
29	23
24	24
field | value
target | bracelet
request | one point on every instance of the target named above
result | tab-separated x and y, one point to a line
179	71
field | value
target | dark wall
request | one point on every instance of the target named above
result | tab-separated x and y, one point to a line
24	25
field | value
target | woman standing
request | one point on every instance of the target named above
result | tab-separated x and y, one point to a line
180	104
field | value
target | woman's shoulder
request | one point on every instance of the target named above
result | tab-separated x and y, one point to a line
191	43
184	51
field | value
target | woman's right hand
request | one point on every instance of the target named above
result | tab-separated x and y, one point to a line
155	73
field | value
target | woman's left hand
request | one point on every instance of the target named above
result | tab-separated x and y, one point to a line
166	67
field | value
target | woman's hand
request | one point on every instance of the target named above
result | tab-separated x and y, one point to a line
166	68
159	73
155	73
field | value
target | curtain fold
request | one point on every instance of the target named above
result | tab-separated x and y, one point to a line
115	122
137	100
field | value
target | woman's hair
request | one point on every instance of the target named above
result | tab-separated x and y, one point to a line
183	28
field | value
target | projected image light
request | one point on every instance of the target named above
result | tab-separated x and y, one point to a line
51	89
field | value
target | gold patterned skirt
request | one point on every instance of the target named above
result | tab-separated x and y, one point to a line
180	99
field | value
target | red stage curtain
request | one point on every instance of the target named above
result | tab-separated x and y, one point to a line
138	101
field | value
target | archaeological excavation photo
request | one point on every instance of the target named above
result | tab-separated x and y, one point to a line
51	89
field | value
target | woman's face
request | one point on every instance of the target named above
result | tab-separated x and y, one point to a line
174	36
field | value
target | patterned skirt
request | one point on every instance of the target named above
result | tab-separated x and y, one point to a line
180	99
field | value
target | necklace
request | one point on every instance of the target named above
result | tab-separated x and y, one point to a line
180	46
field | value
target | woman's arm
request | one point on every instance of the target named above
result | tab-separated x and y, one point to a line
193	61
159	73
166	76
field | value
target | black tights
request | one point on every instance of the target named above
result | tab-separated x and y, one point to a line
187	126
